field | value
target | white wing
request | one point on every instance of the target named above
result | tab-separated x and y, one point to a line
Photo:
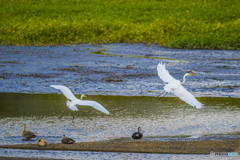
65	91
186	96
164	74
93	104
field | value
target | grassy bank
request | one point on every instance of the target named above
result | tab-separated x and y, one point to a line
213	24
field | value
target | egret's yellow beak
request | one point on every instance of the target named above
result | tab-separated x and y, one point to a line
191	73
85	96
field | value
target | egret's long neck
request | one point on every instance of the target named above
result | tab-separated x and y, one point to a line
184	78
81	96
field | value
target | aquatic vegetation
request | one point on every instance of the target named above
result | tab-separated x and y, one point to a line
123	55
179	24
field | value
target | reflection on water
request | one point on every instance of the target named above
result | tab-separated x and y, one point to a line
167	119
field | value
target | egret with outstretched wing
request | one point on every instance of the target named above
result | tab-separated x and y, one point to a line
73	102
175	86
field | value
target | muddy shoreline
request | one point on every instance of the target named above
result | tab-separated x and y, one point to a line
172	147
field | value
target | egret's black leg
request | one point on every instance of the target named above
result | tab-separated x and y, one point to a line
72	115
161	93
63	113
163	96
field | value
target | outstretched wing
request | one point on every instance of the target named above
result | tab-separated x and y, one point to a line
65	91
93	104
186	96
164	74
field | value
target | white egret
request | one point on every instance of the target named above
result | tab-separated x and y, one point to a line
73	102
175	86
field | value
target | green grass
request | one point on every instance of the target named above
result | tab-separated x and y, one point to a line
205	24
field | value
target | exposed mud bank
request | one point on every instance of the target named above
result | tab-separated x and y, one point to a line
174	147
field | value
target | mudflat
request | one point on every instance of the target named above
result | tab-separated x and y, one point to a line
170	147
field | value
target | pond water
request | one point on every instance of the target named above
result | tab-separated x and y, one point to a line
117	69
169	119
123	78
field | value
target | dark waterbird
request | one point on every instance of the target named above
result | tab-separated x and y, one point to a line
66	140
137	135
27	134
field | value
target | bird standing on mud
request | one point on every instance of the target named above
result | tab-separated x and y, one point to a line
73	102
66	140
27	134
175	86
137	135
42	143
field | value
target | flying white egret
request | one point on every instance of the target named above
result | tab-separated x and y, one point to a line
175	86
73	102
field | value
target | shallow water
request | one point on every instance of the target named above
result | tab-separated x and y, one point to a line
169	119
125	76
104	69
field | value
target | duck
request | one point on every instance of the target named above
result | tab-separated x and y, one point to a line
66	140
27	134
137	135
42	143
